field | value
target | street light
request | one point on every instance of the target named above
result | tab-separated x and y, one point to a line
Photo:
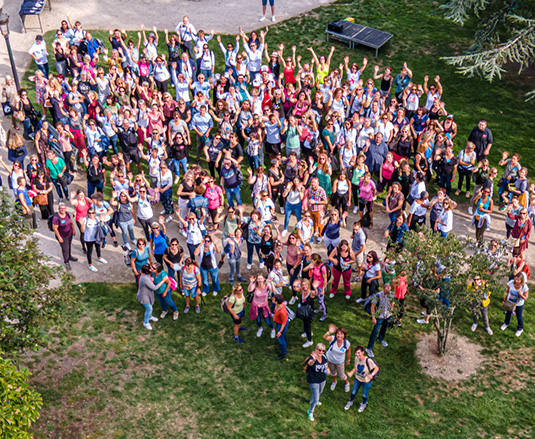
4	30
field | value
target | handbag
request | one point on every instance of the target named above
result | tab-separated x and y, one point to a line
514	242
41	199
66	179
304	312
509	307
8	109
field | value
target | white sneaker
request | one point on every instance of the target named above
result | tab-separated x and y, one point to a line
348	297
346	387
360	300
310	415
331	296
355	210
519	332
282	209
273	333
422	322
261	266
204	294
215	293
162	212
163	314
384	343
176	180
148	326
362	407
318	403
153	319
102	260
489	331
470	210
319	239
183	233
273	19
333	385
284	233
169	218
504	327
92	268
370	353
128	246
308	343
348	405
262	18
248	266
259	332
292	300
304	334
474	326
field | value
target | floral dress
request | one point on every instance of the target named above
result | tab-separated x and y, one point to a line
40	91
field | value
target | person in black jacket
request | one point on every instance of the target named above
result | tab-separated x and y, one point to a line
128	138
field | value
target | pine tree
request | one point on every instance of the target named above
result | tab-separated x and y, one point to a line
506	34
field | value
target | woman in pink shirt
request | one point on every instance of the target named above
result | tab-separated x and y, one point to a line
259	290
318	275
81	205
387	169
215	197
367	191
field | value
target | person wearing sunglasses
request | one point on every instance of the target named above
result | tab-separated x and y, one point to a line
236	308
208	261
316	369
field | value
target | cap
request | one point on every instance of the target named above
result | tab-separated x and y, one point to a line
142	55
450	116
275	55
264	69
39	38
152	35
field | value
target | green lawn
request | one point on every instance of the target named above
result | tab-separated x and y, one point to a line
104	375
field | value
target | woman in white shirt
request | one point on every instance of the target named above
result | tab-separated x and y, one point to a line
89	228
165	187
161	74
444	223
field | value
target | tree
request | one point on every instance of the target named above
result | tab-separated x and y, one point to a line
33	292
19	405
506	34
438	271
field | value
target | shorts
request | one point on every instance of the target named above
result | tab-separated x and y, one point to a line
365	204
131	156
337	370
271	2
360	259
240	315
191	292
272	148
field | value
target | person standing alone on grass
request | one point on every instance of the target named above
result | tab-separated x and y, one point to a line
316	369
364	371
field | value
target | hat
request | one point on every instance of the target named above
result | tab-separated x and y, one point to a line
39	38
8	78
152	35
450	116
275	55
264	69
142	55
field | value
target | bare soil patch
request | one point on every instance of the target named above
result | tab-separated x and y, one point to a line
461	361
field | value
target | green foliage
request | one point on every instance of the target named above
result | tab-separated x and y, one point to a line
438	271
32	292
506	34
19	405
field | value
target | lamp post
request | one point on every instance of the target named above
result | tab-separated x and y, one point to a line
4	30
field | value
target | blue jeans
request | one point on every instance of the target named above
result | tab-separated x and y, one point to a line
192	248
63	191
392	216
250	248
214	274
253	161
379	328
519	318
167	300
113	143
445	182
127	229
234	265
148	313
91	188
28	129
317	390
259	319
288	210
444	234
43	68
207	73
365	390
282	338
173	274
181	164
293	277
236	193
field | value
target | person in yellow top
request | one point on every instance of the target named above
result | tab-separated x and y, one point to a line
480	303
236	307
323	65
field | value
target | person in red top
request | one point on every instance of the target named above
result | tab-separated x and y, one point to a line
400	290
281	321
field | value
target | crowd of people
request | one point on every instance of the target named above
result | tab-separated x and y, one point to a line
148	124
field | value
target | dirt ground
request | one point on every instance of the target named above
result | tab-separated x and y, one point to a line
462	359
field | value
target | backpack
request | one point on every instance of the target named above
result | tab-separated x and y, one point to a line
368	303
244	226
332	344
526	270
49	222
127	257
374	378
225	303
328	270
291	314
239	174
366	220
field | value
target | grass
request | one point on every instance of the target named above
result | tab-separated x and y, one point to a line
104	375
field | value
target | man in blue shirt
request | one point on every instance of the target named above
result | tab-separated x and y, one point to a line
402	81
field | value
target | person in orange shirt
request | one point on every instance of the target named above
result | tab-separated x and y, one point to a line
280	317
